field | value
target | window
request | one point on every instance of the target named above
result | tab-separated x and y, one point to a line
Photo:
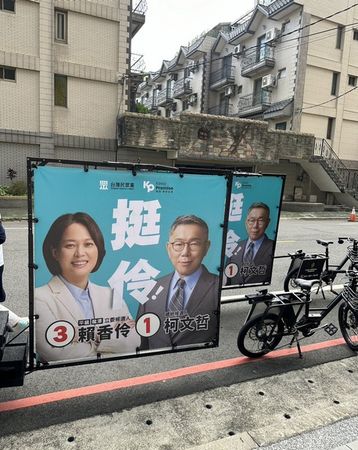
334	87
352	80
355	35
185	105
60	90
281	126
167	113
339	36
284	26
330	127
7	5
61	25
7	73
187	72
239	89
281	73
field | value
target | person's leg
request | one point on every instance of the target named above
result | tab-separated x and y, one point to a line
2	292
16	322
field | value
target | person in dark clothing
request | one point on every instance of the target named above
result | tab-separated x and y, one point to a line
2	240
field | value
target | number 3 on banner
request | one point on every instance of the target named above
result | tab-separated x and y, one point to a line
147	324
60	333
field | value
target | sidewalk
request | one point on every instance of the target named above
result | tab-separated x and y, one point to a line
311	409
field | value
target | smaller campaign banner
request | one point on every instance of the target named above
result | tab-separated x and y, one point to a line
126	262
252	229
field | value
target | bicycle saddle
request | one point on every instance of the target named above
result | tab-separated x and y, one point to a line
324	243
305	284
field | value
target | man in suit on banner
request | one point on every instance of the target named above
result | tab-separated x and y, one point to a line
252	258
186	301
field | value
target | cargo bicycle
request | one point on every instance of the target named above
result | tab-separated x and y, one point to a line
291	314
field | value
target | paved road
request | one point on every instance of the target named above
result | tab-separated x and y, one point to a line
293	234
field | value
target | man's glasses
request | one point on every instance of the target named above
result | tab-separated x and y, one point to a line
258	221
178	246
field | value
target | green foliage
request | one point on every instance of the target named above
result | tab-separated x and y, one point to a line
140	108
4	190
17	188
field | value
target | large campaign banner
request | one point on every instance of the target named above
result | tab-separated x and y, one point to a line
126	262
252	229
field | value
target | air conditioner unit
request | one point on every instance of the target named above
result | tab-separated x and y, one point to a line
229	91
193	98
193	66
187	84
237	50
272	34
268	81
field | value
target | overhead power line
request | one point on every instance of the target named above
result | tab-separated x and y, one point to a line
284	34
327	101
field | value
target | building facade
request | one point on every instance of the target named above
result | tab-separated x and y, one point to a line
64	78
291	63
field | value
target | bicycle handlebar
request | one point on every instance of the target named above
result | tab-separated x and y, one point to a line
347	238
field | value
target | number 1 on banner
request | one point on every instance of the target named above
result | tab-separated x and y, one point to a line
231	270
147	324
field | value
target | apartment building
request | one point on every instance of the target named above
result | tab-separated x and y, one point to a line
64	78
292	63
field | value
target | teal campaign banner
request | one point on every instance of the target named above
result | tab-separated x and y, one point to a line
126	262
255	207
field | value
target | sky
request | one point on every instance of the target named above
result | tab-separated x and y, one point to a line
172	23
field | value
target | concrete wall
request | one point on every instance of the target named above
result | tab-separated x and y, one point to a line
19	101
19	31
228	140
90	110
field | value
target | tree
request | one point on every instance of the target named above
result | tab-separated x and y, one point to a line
140	108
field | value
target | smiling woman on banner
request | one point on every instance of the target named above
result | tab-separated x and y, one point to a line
76	318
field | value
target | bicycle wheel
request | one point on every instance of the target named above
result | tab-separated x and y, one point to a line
348	323
290	280
260	335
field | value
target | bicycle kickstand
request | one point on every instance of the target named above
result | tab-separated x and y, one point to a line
295	338
299	348
320	288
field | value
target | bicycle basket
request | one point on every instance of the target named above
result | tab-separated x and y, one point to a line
311	267
350	297
352	255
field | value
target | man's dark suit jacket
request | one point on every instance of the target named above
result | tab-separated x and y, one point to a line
261	266
203	300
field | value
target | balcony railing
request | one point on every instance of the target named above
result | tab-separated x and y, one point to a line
137	63
221	110
182	87
196	44
274	5
140	7
225	75
165	97
254	101
258	61
240	25
147	102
